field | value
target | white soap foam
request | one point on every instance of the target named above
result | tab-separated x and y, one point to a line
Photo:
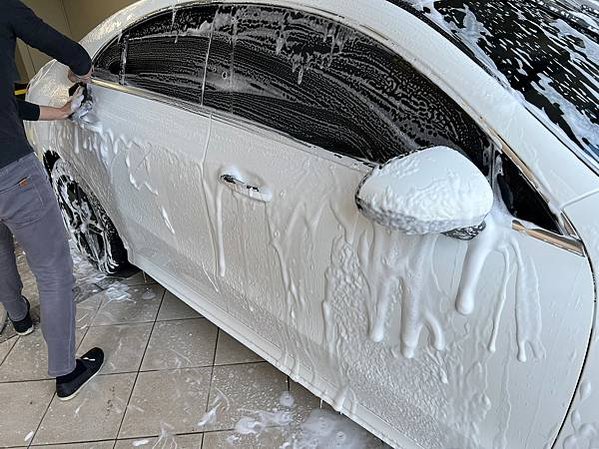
321	429
148	294
429	192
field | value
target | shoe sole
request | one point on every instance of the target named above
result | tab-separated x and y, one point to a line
27	332
68	398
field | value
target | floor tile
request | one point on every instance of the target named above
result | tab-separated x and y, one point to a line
181	344
175	309
28	359
229	351
139	278
174	399
95	414
87	310
269	439
239	390
123	345
31	400
8	333
5	348
92	445
165	440
129	305
304	402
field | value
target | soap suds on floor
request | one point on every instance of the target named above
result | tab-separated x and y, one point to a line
300	428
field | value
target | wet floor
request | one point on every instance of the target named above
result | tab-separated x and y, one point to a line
171	380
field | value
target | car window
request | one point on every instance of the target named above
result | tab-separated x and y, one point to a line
546	51
329	85
165	53
522	200
108	63
308	77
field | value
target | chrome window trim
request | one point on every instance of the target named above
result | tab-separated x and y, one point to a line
359	165
568	243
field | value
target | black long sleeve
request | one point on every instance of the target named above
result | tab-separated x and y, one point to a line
18	21
35	32
28	111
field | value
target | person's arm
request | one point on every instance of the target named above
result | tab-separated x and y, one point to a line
28	111
33	112
35	32
48	113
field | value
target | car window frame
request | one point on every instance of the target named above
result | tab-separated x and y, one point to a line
562	232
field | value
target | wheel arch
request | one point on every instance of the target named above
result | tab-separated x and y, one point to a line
49	159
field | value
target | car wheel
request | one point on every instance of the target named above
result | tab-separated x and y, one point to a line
89	225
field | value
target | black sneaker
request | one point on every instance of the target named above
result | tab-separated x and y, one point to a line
24	326
67	387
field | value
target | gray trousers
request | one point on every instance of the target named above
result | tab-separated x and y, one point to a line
29	212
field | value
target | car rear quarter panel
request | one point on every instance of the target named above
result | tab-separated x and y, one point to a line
581	429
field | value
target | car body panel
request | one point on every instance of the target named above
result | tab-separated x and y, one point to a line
581	429
324	304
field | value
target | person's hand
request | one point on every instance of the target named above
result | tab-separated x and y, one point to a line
65	111
80	79
48	113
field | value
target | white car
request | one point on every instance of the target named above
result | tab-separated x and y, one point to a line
396	204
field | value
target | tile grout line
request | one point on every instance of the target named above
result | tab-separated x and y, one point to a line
145	371
87	327
75	443
11	348
125	323
30	442
138	371
218	331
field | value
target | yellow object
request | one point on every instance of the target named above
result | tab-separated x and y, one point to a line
21	92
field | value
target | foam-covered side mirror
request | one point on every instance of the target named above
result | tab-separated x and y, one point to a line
433	191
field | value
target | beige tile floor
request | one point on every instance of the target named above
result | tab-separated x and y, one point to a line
166	367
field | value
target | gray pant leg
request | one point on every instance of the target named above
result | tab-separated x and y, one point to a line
10	281
29	209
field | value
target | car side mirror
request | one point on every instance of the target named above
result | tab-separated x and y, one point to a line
433	191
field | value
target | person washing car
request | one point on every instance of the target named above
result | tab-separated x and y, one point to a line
29	211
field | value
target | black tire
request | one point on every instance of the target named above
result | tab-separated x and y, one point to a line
89	225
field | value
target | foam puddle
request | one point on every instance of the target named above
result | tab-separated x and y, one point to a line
320	429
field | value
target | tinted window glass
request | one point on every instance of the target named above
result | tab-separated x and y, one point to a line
167	52
108	64
545	50
522	200
326	84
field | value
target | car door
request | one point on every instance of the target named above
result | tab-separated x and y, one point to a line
148	86
367	317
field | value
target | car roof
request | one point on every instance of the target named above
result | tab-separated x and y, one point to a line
544	51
